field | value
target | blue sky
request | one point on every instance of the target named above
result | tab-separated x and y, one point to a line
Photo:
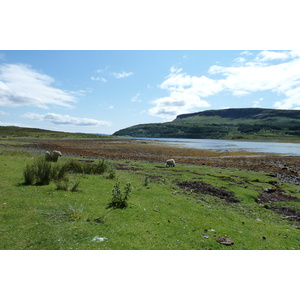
107	90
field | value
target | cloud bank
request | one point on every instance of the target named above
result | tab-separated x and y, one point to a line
65	119
20	85
274	71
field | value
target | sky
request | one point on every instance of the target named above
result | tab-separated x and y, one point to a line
102	91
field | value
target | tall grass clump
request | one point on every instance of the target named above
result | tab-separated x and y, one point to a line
66	184
39	173
111	173
75	166
29	175
102	167
119	199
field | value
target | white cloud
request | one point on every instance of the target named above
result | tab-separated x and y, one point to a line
121	74
240	93
278	78
273	55
103	70
102	79
246	53
178	103
240	60
65	119
292	100
3	113
174	70
256	103
136	98
187	93
22	86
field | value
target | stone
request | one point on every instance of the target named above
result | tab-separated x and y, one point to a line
225	241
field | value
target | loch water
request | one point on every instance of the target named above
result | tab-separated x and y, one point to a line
286	149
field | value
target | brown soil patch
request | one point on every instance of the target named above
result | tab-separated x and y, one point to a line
272	196
287	212
275	195
207	189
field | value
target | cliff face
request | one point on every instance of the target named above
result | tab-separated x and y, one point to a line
233	123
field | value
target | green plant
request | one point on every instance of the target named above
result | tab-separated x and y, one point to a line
38	173
146	182
75	166
62	185
41	172
101	167
111	173
29	175
74	188
119	200
59	171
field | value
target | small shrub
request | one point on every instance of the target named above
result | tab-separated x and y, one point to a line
62	185
102	167
111	173
43	172
29	175
118	199
87	168
74	166
127	190
39	173
146	182
59	172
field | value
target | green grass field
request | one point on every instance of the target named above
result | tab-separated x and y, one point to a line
159	215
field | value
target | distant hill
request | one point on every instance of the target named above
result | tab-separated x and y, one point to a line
232	123
24	132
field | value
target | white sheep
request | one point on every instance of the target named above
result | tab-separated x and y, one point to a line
52	156
48	156
55	155
170	163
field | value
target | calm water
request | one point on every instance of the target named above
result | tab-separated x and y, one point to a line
288	149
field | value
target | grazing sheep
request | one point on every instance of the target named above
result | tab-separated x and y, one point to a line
170	163
55	155
48	156
52	156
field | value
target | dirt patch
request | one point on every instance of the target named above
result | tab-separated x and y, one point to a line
287	212
275	195
126	167
207	189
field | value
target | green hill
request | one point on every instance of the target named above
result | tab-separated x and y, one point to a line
24	132
233	123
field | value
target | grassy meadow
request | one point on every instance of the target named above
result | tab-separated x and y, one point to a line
161	213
